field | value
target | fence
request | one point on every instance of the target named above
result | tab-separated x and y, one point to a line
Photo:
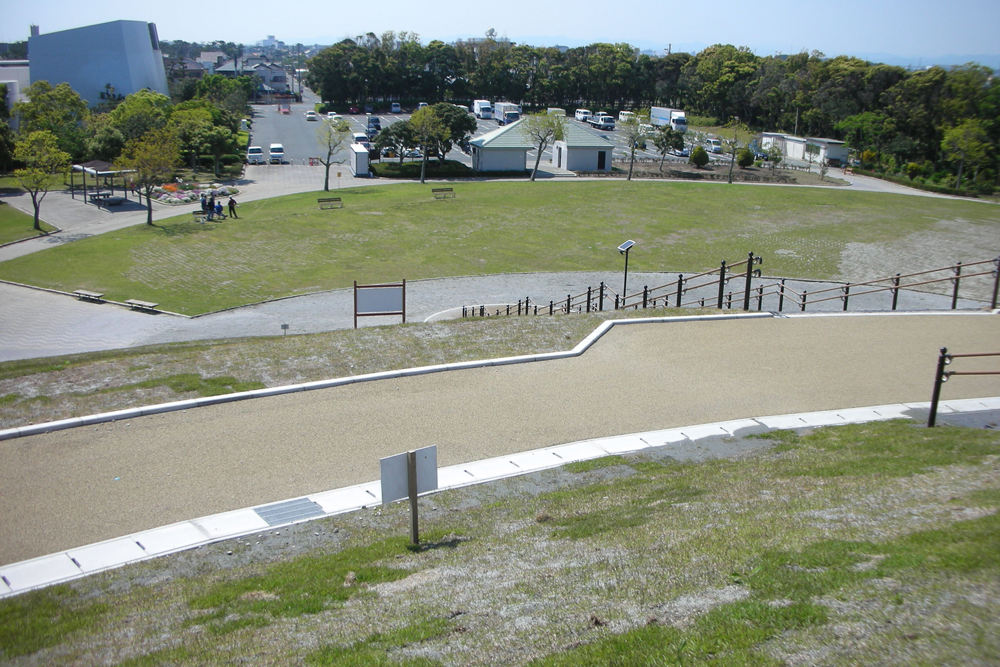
945	359
715	282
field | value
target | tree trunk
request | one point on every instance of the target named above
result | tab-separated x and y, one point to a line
731	163
423	163
35	203
326	181
538	159
961	163
631	163
149	205
663	158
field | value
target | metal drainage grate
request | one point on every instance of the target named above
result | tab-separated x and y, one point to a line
288	512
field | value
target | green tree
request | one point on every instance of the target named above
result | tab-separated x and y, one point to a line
634	130
699	157
40	153
966	143
666	139
7	144
139	113
216	141
152	159
58	110
105	141
398	137
458	122
189	125
428	132
333	136
744	158
542	130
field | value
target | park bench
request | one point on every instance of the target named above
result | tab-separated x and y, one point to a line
199	216
142	305
88	296
443	193
329	202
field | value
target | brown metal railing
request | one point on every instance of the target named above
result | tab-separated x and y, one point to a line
945	359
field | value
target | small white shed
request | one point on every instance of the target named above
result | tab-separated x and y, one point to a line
796	148
582	150
503	149
359	160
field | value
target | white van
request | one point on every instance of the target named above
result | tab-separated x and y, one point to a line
255	155
360	138
623	116
396	108
582	115
714	145
276	154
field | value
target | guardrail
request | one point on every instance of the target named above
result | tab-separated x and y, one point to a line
945	359
675	292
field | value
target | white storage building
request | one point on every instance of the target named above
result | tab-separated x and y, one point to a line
582	150
793	147
503	149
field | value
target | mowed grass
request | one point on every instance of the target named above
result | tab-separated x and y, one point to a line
16	225
756	560
286	246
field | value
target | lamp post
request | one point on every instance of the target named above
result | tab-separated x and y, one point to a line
623	249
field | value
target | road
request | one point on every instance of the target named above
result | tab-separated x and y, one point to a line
82	485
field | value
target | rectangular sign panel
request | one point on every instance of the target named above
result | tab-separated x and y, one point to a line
372	300
394	474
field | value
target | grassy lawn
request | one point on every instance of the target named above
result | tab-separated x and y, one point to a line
286	246
16	225
865	544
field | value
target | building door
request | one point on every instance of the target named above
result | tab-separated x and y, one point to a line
601	159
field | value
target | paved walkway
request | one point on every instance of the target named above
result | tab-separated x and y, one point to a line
87	484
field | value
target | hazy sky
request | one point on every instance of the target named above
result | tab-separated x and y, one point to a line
910	28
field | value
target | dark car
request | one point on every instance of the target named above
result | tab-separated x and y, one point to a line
353	110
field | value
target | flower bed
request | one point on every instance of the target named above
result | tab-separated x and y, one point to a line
186	193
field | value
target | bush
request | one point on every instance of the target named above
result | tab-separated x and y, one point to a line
699	157
391	168
744	158
916	184
913	170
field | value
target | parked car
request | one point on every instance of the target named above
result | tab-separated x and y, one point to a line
285	109
255	155
276	154
368	108
422	105
389	152
396	108
311	115
413	154
334	117
353	110
360	138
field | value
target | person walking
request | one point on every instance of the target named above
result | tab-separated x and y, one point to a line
232	209
211	206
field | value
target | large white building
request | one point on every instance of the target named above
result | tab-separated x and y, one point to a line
125	54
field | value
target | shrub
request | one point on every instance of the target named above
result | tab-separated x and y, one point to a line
913	170
699	157
744	158
869	158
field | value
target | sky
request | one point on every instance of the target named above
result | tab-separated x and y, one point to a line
921	30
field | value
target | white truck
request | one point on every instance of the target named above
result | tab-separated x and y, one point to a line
624	116
660	116
582	115
506	112
602	121
276	154
483	109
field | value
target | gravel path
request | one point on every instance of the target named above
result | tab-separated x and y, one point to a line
88	484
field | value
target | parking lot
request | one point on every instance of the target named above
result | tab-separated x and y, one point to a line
298	135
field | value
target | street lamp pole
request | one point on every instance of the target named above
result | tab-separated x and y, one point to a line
623	249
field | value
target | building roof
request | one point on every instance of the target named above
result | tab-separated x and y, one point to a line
577	136
508	136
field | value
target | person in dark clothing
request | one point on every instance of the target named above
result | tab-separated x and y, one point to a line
232	209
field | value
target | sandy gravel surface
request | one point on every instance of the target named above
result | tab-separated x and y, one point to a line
60	490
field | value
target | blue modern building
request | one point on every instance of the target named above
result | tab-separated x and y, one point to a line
125	54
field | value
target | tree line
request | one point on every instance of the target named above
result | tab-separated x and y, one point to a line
916	122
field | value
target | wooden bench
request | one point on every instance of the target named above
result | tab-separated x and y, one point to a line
199	216
88	296
142	305
329	202
443	193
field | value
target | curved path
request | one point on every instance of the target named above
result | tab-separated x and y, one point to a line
92	483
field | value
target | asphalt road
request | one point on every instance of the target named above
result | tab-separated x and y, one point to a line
80	486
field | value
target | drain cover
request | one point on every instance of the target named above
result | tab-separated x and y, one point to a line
289	511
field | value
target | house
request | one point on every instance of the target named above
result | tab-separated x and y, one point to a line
184	68
123	54
580	149
273	78
801	148
16	75
503	149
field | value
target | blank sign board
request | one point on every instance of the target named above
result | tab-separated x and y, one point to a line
376	300
394	474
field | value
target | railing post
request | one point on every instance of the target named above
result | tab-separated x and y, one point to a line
600	302
680	288
746	287
722	283
996	283
847	295
518	307
781	295
616	302
645	296
939	378
760	297
895	291
551	306
729	301
588	298
482	311
957	279
536	309
802	306
568	298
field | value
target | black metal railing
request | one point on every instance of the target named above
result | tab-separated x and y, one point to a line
941	376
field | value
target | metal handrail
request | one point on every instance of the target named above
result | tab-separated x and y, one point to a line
941	376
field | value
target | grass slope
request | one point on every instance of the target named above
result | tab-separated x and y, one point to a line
16	225
287	246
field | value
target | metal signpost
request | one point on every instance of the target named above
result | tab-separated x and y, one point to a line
623	249
405	476
379	300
